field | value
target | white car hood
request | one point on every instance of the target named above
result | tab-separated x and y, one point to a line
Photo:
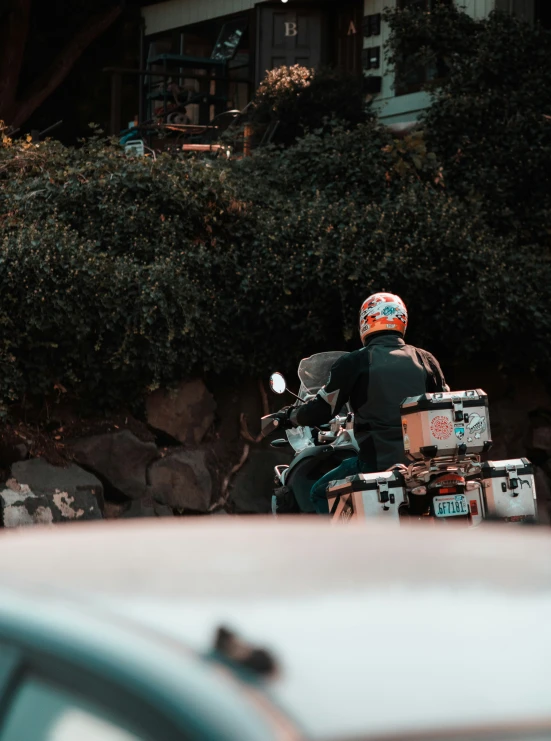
377	631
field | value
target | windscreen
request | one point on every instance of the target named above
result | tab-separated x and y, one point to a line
313	372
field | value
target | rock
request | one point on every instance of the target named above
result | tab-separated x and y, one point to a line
43	478
112	510
185	413
162	511
14	485
251	488
42	494
120	458
24	508
242	396
11	453
22	451
185	480
27	508
147	507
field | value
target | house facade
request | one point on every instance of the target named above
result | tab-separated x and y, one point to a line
250	37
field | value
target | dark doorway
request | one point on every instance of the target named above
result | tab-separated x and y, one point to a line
289	36
349	37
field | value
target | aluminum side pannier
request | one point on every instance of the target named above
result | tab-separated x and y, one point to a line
367	495
509	490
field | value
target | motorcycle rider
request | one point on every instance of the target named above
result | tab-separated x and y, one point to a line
375	380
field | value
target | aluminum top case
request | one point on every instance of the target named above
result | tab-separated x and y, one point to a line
451	423
510	489
367	495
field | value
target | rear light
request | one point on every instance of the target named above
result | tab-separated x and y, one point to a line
474	507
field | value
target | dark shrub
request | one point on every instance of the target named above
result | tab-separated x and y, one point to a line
301	100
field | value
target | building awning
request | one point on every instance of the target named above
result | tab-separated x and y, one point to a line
178	13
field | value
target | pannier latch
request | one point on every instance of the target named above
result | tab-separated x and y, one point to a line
384	496
457	402
512	479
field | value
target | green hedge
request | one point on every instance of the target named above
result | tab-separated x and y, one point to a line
110	269
119	274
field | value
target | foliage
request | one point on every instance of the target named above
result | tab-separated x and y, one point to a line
365	161
109	269
488	122
119	274
301	100
434	39
383	221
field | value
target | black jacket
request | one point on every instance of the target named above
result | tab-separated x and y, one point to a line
375	380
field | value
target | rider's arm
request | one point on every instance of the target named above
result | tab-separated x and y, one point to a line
329	400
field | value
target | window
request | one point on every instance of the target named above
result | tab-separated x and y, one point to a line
44	712
410	77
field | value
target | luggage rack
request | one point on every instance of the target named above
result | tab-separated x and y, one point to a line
468	465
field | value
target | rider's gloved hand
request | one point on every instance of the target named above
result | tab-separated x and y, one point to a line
283	418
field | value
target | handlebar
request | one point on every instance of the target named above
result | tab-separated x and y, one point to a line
268	424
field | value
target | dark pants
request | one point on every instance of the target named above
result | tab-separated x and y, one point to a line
349	467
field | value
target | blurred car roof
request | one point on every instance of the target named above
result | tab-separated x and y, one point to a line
377	631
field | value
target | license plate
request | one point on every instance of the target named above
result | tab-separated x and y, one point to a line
451	506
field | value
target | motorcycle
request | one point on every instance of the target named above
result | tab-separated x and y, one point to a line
445	435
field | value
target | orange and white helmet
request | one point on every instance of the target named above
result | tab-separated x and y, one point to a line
382	312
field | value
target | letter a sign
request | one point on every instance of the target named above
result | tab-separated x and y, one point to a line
352	31
291	29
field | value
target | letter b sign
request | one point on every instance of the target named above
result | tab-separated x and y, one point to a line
291	28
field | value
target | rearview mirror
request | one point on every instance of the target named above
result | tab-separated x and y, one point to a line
278	383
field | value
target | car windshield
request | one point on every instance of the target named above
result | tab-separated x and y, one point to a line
313	372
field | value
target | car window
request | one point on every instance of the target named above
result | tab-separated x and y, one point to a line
44	712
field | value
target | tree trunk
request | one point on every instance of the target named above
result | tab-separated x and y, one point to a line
14	28
16	112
